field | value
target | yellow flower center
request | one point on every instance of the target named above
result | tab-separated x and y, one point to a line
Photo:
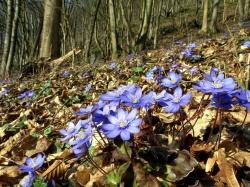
122	124
217	85
176	100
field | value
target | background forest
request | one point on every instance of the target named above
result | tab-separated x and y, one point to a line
104	29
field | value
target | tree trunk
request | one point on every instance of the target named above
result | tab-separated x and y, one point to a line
112	29
13	36
246	9
204	27
50	40
145	25
7	37
92	31
157	23
213	26
241	10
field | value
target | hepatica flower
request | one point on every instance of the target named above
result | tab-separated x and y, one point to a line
222	101
150	75
243	98
32	164
81	141
112	65
26	94
176	101
172	80
71	130
136	99
191	46
122	124
215	83
116	94
86	111
4	92
246	44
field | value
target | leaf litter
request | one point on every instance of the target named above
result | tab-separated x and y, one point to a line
209	149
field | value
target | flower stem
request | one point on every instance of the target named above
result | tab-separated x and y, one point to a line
220	129
126	150
242	125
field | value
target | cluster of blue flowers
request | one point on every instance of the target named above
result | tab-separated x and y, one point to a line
189	53
117	113
151	74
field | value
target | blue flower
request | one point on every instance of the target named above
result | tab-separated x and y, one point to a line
191	46
4	92
172	80
187	53
194	70
246	44
243	98
123	124
27	180
115	95
33	164
72	129
66	74
86	111
177	100
215	83
112	65
81	140
136	99
222	101
29	93
150	75
87	87
101	114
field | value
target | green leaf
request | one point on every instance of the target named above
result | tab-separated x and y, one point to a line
113	178
47	131
123	149
134	78
137	69
123	168
39	182
35	134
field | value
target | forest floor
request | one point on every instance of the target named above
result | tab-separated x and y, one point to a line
204	143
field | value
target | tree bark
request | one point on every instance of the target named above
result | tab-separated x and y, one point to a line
213	26
112	29
7	37
13	36
241	10
50	41
204	27
157	24
145	25
246	9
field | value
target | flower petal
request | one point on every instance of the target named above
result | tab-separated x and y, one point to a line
125	135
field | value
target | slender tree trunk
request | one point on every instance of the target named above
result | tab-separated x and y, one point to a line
50	40
204	27
13	36
112	29
213	26
246	9
145	26
157	23
92	30
241	10
7	37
